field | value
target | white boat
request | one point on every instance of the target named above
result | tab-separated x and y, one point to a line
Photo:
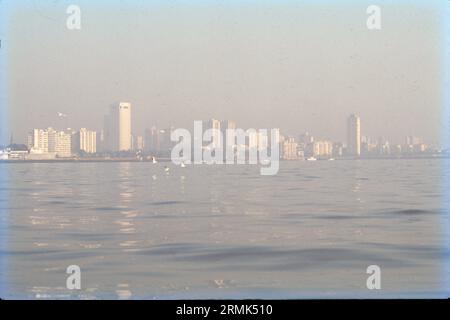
311	159
183	165
331	159
154	160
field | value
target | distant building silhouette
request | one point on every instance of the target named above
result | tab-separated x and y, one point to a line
354	136
117	128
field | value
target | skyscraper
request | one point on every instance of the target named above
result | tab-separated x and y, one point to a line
165	143
117	128
152	140
139	143
124	126
354	136
111	131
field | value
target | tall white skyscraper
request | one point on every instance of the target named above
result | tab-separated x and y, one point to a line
354	135
125	126
117	128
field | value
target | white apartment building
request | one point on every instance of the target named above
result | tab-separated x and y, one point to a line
84	140
50	141
322	148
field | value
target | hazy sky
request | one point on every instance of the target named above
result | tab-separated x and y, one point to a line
296	65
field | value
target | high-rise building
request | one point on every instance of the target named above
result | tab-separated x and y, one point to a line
133	141
289	149
50	141
124	126
139	145
354	136
305	144
306	138
100	142
165	143
322	148
117	128
152	140
63	144
38	141
85	141
111	131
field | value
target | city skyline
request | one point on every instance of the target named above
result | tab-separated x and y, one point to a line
117	136
244	150
278	70
65	124
117	108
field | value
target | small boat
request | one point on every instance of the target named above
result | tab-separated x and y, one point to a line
311	159
331	159
166	169
154	160
183	165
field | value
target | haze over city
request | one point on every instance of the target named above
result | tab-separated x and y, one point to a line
293	66
224	149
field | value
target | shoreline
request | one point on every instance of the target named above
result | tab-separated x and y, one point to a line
115	160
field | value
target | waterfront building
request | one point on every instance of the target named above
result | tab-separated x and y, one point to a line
289	149
84	141
322	148
139	143
354	136
117	128
50	141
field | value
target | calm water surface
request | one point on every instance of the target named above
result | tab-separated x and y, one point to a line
138	231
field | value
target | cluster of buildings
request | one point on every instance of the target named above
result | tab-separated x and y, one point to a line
157	142
356	145
50	143
116	140
307	147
